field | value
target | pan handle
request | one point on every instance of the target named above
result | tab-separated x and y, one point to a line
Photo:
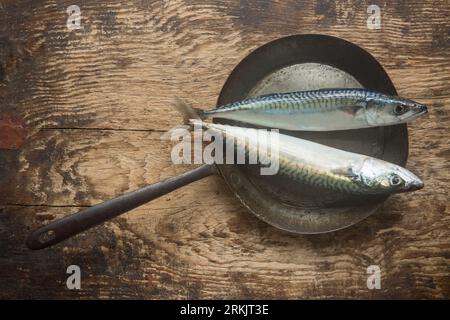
73	224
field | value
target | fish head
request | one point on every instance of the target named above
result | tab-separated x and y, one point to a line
380	176
389	110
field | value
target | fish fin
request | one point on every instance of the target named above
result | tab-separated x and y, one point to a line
348	173
368	103
352	110
187	111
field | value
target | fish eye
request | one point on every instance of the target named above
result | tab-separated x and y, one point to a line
395	180
399	109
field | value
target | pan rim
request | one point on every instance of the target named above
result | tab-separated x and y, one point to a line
241	81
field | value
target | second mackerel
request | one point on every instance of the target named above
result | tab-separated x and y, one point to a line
318	165
318	110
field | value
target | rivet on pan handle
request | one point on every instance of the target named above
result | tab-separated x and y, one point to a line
71	225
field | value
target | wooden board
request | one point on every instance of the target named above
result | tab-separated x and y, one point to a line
81	114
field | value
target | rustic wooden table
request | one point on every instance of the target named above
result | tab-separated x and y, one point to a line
81	114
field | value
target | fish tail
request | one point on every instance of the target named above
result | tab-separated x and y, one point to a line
187	111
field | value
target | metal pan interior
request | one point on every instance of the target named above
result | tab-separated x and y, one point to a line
293	206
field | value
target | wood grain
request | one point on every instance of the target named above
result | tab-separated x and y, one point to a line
133	58
90	106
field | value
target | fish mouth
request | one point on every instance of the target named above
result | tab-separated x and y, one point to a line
414	186
420	109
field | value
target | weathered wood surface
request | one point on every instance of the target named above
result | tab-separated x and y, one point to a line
81	113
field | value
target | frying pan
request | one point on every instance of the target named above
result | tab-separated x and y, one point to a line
300	62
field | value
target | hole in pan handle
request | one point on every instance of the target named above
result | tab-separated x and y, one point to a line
73	224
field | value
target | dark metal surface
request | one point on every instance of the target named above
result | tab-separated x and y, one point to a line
73	224
278	200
